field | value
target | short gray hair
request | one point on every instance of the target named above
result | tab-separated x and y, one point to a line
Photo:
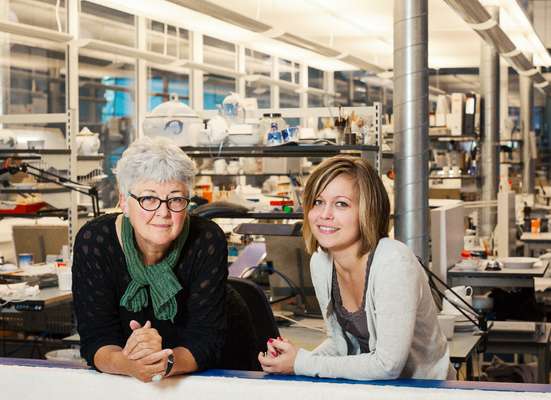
154	159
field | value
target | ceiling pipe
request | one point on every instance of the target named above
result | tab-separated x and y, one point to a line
489	132
474	14
410	104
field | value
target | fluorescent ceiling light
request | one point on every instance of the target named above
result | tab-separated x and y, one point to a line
20	29
372	27
113	48
293	53
173	14
213	69
266	80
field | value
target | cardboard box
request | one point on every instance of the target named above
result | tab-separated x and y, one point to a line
454	194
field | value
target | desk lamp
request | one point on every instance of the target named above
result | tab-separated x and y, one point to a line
480	321
58	180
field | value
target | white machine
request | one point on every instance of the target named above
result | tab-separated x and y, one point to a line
447	229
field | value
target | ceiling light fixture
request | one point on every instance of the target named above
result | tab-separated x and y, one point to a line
232	27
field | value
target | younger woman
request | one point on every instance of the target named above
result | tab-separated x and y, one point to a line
376	302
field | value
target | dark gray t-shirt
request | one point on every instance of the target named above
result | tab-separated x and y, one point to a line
355	322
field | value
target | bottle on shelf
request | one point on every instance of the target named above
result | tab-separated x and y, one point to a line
274	136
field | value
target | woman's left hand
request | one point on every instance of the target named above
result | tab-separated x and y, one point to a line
143	342
284	362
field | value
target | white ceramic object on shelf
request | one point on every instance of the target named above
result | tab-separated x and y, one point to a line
518	262
174	120
88	143
464	295
243	140
7	139
233	167
216	132
220	166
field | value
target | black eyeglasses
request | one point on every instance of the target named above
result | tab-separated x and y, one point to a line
152	203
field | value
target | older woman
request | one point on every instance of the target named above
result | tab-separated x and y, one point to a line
374	296
149	284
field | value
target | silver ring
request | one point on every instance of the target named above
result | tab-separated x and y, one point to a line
157	378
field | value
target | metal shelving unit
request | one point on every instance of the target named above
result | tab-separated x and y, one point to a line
373	152
57	158
291	150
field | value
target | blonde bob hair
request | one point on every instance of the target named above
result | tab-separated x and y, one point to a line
373	203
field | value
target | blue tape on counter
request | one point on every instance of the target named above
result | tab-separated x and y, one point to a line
417	383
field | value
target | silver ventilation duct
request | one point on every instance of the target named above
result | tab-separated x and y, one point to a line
480	20
411	214
489	103
526	92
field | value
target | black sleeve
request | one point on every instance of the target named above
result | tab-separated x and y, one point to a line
94	295
203	332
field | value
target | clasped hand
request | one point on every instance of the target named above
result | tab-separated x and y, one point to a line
144	350
280	357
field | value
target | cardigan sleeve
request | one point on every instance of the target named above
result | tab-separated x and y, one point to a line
396	298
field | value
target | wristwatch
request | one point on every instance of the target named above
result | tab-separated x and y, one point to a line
169	364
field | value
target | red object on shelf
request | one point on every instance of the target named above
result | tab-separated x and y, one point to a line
281	202
465	254
23	208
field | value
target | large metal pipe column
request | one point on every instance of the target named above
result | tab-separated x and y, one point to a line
526	91
489	89
411	125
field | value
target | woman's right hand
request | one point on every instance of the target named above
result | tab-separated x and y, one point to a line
154	364
271	351
283	362
143	342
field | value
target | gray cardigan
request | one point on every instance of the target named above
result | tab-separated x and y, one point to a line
405	340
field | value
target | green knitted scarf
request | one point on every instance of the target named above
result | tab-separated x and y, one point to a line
160	277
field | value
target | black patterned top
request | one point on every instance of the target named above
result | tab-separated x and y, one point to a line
100	278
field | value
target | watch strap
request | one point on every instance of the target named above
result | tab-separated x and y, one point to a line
169	364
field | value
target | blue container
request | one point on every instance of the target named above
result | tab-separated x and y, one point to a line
24	259
289	134
274	138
